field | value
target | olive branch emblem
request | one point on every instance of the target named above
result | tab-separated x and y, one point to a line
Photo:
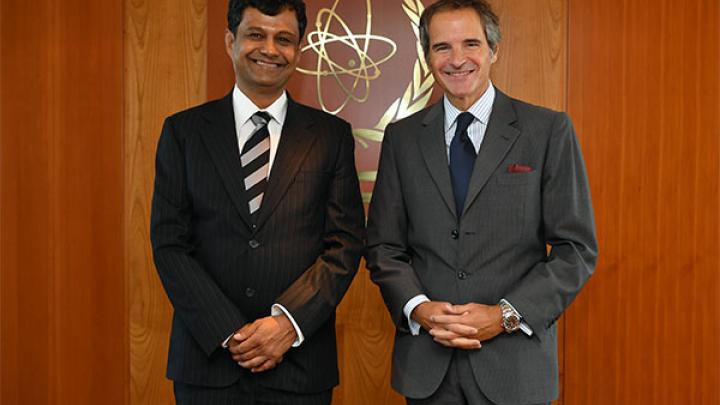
415	98
418	91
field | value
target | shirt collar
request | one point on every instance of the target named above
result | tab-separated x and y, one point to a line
244	108
481	109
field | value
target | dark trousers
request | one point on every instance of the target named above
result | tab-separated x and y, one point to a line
458	387
245	394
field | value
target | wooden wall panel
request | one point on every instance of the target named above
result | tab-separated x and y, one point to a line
532	66
644	92
219	67
24	218
532	58
63	326
165	48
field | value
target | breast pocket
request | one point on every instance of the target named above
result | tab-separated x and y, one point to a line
514	178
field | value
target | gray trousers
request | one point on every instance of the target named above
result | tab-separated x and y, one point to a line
458	387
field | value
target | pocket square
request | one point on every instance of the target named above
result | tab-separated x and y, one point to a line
517	168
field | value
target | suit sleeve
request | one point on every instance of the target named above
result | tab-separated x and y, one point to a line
198	301
388	259
568	224
312	298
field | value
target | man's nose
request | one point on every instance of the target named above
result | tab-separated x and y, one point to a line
457	58
269	47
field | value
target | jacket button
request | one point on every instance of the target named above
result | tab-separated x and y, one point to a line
249	292
454	234
462	275
254	244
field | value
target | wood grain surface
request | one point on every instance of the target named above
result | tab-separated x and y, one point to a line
532	57
165	48
643	92
63	324
84	89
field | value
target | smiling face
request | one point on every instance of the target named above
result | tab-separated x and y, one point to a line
265	51
459	55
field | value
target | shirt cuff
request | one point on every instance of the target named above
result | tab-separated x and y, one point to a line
225	342
523	325
408	309
277	310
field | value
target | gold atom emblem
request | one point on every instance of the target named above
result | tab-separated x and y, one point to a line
361	70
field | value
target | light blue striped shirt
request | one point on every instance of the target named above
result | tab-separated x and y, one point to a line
480	110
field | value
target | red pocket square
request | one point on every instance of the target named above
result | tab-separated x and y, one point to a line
516	168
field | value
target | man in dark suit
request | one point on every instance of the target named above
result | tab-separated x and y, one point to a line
470	192
257	226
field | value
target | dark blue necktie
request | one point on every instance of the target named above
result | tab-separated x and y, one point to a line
462	160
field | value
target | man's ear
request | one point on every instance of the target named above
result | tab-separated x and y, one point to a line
229	42
494	56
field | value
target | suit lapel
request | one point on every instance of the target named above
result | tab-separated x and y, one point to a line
220	139
295	143
434	151
499	138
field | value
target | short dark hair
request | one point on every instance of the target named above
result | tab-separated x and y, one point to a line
267	7
490	21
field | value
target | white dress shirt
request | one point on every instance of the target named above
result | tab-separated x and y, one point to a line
481	110
243	110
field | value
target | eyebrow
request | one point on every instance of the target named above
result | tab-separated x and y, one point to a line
292	34
261	28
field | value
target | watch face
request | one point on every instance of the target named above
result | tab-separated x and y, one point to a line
511	323
511	320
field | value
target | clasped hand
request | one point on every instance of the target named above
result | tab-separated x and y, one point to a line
259	346
459	326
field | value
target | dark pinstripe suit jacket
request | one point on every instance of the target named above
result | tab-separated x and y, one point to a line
496	249
221	272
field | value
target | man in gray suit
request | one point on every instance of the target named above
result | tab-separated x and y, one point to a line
470	192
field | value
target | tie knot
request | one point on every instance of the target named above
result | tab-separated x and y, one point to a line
261	118
463	121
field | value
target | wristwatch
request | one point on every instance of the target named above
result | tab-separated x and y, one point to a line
510	317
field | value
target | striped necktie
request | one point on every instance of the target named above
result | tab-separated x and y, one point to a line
255	160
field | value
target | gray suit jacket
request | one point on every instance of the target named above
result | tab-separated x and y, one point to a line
500	251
